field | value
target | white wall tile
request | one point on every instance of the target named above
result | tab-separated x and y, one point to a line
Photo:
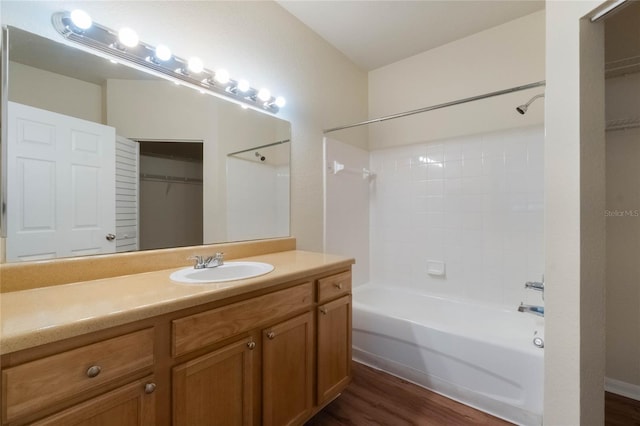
475	203
452	151
453	169
435	171
472	166
347	198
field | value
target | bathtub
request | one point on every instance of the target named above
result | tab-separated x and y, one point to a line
479	355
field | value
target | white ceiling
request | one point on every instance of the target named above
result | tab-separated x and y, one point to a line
376	33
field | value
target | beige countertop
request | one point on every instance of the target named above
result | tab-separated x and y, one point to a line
37	316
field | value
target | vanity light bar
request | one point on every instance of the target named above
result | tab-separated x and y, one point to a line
108	41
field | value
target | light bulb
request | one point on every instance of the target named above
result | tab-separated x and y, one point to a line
243	85
264	95
280	102
222	76
128	37
81	19
196	65
162	52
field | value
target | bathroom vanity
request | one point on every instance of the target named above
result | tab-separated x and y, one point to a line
143	350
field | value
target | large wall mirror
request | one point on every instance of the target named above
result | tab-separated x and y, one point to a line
103	158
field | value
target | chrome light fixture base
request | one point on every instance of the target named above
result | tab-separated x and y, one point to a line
105	40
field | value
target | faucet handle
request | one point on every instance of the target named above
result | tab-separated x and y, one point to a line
534	285
219	255
199	261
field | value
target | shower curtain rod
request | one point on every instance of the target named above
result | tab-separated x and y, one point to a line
259	147
438	106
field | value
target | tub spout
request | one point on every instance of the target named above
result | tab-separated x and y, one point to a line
535	310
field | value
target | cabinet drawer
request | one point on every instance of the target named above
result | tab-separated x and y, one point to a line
334	286
37	384
199	330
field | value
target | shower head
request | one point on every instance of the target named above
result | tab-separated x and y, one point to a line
260	156
522	109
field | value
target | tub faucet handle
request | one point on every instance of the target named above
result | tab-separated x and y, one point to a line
535	285
531	309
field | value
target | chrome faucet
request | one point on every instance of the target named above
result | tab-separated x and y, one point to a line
535	285
535	310
532	309
215	261
208	262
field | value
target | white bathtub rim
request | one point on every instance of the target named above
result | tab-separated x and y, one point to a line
447	298
527	340
465	396
527	345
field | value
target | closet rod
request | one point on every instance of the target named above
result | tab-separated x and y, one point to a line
170	179
438	106
623	124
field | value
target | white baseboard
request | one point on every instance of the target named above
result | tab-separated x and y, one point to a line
622	388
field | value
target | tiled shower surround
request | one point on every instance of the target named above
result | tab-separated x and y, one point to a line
474	203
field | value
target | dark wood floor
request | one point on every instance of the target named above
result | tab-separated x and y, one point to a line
377	398
621	411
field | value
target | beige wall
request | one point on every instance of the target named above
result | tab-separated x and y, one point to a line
574	219
55	92
623	232
505	56
259	41
180	113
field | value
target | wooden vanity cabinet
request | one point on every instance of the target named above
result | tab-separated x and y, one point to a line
334	348
273	358
287	371
130	405
34	389
217	388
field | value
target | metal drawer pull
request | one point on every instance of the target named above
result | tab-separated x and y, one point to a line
338	286
271	335
93	371
251	345
110	237
149	388
324	311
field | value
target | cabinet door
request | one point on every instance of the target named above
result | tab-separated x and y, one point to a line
287	371
129	405
334	347
216	388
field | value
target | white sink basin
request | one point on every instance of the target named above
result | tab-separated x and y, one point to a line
230	271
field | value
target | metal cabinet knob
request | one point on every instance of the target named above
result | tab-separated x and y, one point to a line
111	237
251	345
323	311
149	388
93	371
271	335
338	286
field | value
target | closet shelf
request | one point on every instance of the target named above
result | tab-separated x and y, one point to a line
622	124
171	179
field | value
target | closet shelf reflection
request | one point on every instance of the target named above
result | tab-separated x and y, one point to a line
622	124
171	179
